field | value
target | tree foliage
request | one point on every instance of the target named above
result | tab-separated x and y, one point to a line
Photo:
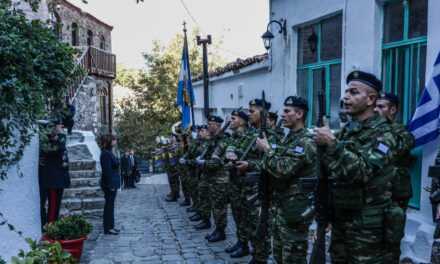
152	109
34	77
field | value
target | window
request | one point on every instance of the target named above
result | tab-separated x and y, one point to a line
75	34
103	106
102	42
404	64
89	38
319	66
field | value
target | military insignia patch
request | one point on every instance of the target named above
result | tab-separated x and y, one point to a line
253	102
298	149
356	74
383	148
289	100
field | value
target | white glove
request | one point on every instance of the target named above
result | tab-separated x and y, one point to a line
200	162
182	161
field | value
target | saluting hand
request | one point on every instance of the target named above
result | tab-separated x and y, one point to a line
324	136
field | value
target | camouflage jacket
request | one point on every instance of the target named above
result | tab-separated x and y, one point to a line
292	159
361	164
402	189
254	157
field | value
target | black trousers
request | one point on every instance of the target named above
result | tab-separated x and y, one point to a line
109	209
53	197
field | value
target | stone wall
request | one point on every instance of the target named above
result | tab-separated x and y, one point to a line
68	14
89	114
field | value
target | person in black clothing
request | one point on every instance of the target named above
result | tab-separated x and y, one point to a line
53	172
125	169
69	114
110	182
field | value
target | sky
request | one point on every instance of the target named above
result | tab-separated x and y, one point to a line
239	23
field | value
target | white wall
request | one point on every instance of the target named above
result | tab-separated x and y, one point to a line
231	91
20	203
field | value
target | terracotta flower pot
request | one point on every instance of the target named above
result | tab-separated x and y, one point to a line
74	246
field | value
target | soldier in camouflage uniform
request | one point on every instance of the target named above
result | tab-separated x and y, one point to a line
360	161
170	162
249	168
272	123
387	106
224	156
218	185
207	178
183	169
294	158
194	149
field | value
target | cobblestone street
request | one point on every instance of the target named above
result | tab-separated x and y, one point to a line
154	231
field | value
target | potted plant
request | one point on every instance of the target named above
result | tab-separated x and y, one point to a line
43	252
70	232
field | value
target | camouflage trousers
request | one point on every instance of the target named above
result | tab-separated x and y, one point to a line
219	202
358	238
289	242
236	192
395	248
204	197
185	181
252	209
194	188
174	182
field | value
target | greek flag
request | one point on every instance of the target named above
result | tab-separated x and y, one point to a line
425	122
185	94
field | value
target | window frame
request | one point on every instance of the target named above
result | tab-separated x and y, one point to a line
408	45
319	64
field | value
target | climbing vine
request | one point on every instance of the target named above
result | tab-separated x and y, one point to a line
34	76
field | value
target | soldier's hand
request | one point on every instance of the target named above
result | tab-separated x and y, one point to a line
200	162
231	156
182	161
263	144
324	136
242	165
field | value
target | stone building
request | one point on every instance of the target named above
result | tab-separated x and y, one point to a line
394	39
91	93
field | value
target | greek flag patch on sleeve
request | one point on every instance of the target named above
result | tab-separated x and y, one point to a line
383	148
298	149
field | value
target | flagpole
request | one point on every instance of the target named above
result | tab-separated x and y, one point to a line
191	101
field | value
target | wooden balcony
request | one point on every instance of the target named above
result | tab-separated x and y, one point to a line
101	63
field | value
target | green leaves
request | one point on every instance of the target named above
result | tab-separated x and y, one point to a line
35	70
69	227
43	252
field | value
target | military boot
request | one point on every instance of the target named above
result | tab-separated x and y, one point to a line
241	251
254	261
171	198
185	202
195	218
234	247
191	210
218	235
205	224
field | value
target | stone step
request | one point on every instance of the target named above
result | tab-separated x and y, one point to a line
84	182
83	192
80	165
78	204
83	174
86	213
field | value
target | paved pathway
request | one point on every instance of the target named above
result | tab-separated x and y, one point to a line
153	231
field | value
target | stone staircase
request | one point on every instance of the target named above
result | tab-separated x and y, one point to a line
84	195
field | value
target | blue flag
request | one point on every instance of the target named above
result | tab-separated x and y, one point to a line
425	122
185	94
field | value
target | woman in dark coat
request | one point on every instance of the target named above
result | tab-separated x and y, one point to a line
110	182
53	173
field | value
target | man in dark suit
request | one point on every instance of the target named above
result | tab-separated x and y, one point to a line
133	169
53	172
126	169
